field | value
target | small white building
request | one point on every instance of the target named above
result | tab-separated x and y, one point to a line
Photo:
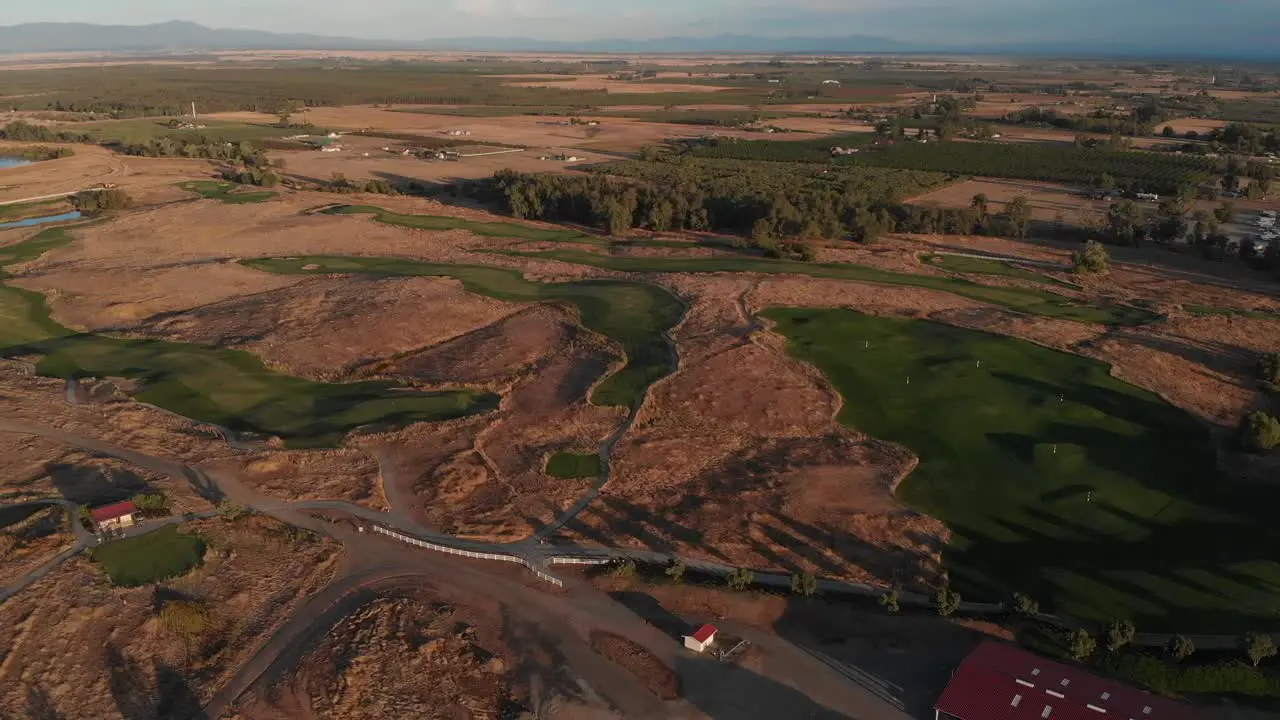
701	639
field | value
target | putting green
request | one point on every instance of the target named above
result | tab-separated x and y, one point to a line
226	387
573	465
1059	481
634	315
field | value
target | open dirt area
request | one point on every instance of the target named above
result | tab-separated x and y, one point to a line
1047	199
400	655
1200	125
78	647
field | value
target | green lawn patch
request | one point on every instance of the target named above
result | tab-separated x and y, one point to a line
150	558
571	465
226	192
143	130
487	229
1027	300
980	266
634	315
1058	481
227	387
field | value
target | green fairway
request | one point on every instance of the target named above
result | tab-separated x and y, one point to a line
1059	481
486	229
226	387
634	315
149	558
979	266
1035	302
571	465
142	130
226	192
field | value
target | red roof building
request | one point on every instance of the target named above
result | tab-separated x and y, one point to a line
114	511
1001	682
701	638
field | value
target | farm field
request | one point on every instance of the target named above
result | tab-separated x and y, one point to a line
1058	480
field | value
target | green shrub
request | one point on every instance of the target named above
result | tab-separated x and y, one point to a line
1093	259
675	571
1080	644
1269	368
1260	432
804	584
947	601
1258	647
740	579
1180	648
1119	634
889	601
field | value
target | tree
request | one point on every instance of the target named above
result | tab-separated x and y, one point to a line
1169	131
981	204
1105	182
152	503
675	571
1260	432
1269	368
94	202
1180	648
1018	212
804	584
1080	644
1119	634
1024	605
1093	259
1225	212
1125	220
623	569
740	579
947	601
1258	647
618	218
889	601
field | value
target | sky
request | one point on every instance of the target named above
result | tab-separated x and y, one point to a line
931	21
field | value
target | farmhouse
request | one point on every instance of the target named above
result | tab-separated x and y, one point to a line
701	639
1001	682
116	516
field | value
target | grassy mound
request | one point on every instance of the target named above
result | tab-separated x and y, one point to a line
486	229
572	465
226	192
226	387
1058	480
634	315
149	558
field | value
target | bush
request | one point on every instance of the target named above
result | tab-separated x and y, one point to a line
1024	605
947	601
804	584
152	504
889	601
1093	259
740	579
1180	648
1260	432
1258	647
1269	368
623	569
1080	644
185	618
93	202
675	571
1119	634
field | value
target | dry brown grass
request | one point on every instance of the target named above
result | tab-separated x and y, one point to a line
32	541
1047	199
639	661
80	648
145	179
1200	125
399	656
602	82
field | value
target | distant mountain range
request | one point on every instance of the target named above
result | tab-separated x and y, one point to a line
185	36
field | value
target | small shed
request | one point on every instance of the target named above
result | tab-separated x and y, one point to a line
116	516
701	639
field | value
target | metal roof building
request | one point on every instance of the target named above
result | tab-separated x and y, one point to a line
1001	682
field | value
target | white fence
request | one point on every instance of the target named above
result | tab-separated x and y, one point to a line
471	554
571	560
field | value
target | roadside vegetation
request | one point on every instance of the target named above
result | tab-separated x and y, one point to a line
149	558
1058	480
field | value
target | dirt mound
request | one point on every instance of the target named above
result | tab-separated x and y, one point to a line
403	657
484	477
324	327
659	678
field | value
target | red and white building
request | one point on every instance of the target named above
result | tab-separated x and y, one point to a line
1001	682
116	516
701	639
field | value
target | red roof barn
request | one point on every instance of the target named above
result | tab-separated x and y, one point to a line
114	516
1001	682
701	638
